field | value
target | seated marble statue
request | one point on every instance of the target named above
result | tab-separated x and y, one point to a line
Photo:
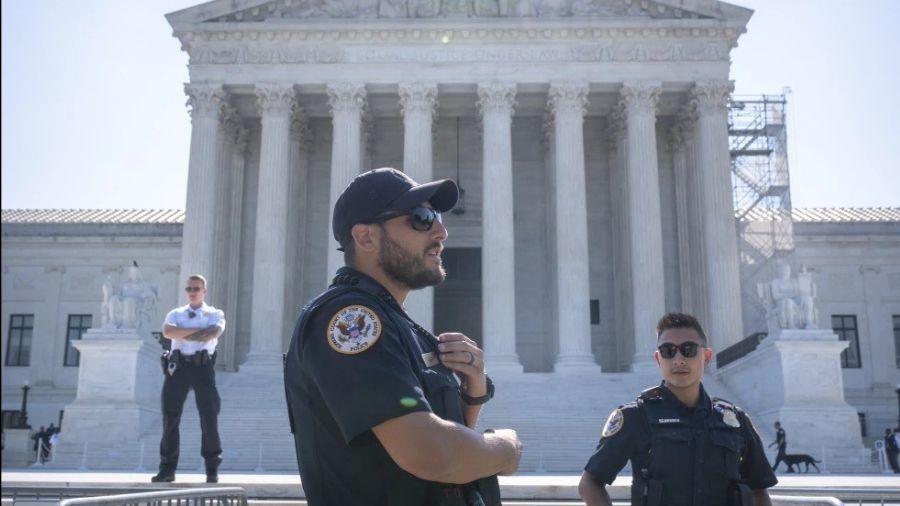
129	304
790	302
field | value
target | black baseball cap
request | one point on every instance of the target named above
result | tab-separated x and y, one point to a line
377	191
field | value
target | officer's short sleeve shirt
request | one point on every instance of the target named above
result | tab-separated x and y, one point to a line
361	388
618	442
186	317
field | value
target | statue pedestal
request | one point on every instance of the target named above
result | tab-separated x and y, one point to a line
119	386
795	377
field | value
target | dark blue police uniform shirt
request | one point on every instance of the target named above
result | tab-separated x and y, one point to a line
631	441
351	370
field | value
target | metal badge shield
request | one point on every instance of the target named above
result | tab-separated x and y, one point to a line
353	329
614	423
730	418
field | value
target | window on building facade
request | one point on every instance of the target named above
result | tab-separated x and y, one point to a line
18	344
844	326
864	432
896	318
595	312
78	324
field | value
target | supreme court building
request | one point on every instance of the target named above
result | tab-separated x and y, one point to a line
590	138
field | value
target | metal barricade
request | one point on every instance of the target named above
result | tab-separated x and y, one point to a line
787	500
221	496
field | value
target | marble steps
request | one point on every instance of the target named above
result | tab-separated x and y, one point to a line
558	417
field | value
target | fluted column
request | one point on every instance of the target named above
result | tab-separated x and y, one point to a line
239	136
417	104
617	142
648	293
198	243
498	273
347	102
690	237
567	101
270	252
682	220
725	325
301	143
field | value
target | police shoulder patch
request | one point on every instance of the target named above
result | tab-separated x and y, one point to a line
614	423
353	329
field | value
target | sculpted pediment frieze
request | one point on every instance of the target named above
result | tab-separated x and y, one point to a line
254	11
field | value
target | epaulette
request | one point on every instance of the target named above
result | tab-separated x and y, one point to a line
726	404
652	394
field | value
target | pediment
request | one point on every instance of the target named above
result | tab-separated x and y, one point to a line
255	11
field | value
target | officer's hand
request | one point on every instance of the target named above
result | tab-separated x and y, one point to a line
509	440
462	355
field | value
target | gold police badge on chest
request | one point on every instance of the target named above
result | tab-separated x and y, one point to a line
353	329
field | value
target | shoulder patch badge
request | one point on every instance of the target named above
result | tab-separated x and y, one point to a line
353	329
614	423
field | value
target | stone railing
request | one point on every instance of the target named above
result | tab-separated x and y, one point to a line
739	349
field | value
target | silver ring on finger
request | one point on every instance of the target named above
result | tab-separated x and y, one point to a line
471	358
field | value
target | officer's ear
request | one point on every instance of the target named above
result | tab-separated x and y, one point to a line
363	237
707	356
656	356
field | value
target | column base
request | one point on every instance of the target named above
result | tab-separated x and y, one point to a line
576	364
263	363
496	368
643	363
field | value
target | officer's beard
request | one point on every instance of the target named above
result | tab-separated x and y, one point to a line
406	268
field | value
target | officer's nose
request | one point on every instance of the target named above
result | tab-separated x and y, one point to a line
439	231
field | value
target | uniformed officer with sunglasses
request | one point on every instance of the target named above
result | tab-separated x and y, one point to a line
382	410
194	330
685	448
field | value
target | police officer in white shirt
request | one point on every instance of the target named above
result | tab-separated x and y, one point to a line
194	330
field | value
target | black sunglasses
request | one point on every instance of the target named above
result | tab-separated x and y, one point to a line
687	349
192	289
421	218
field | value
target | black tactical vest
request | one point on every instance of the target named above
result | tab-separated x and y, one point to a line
691	462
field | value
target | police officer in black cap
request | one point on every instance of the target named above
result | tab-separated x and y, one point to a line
685	448
383	411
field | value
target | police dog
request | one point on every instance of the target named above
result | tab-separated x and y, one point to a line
800	458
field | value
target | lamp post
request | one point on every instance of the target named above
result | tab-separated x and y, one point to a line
23	414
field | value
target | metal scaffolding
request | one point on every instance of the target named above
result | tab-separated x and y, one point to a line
762	194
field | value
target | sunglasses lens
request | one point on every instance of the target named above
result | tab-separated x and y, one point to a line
667	350
192	289
689	350
423	218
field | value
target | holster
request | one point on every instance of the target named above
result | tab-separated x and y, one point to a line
164	361
646	493
739	494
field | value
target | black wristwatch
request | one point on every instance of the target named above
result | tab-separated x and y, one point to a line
475	401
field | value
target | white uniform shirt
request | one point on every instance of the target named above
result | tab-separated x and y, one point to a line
203	317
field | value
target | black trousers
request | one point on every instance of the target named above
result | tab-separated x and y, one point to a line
780	458
201	378
892	460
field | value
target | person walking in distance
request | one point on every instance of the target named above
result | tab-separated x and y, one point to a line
194	330
781	441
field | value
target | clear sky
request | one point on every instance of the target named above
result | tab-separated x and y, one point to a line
93	111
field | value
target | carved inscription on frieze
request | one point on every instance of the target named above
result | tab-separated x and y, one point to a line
601	52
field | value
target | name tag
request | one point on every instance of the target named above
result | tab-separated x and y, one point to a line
669	420
430	359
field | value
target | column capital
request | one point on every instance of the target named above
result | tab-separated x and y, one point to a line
711	96
346	96
204	99
300	127
418	96
496	96
641	96
274	99
568	96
